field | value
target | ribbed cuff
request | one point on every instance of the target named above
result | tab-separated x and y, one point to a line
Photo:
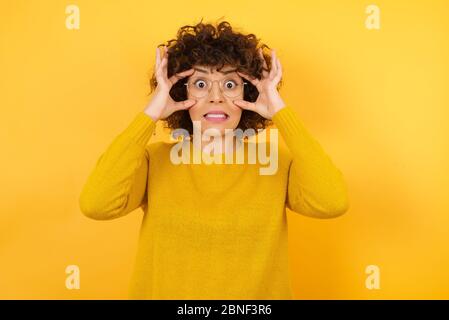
141	129
288	122
291	128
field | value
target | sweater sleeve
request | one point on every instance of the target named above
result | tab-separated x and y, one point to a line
117	184
316	188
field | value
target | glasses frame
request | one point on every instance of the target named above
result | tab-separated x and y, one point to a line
210	84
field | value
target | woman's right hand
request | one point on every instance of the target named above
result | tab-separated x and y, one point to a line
162	105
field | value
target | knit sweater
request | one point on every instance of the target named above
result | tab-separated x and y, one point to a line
212	231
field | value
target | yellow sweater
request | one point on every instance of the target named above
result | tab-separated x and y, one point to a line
212	231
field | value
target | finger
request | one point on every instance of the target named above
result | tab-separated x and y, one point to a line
163	62
158	59
165	52
245	105
176	77
265	66
265	70
273	64
279	67
161	75
163	67
185	73
253	80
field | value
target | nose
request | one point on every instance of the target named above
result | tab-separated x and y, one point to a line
215	94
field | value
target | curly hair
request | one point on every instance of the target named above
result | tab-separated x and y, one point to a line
214	46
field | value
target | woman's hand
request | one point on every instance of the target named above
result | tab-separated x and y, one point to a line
162	105
269	101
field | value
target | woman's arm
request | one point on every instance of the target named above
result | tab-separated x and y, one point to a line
118	182
316	188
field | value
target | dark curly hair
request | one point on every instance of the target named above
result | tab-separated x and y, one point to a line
212	46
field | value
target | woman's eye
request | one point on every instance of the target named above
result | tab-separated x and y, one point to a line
201	84
230	84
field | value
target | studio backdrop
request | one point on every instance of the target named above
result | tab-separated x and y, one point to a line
368	79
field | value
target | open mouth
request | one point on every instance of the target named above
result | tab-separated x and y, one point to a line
216	116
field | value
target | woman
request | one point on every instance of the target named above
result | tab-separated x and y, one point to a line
213	231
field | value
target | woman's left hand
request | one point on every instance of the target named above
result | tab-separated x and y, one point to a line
269	100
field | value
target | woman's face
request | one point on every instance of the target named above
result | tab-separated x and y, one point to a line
215	109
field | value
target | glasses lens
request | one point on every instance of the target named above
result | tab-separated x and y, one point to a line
198	87
232	87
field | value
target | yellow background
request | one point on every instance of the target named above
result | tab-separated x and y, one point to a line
377	101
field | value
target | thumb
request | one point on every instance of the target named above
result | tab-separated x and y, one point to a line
244	104
185	104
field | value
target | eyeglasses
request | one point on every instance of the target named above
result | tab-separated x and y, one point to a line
230	87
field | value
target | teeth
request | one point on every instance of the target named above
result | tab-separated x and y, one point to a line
221	116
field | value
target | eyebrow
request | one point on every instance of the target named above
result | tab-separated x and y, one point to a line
206	71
